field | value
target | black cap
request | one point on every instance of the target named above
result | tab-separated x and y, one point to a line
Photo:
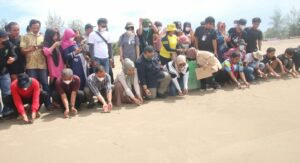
210	19
242	22
149	48
3	33
88	26
158	24
102	21
23	80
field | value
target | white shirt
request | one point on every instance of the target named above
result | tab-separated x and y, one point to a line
100	47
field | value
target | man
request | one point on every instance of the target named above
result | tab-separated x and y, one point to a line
206	37
154	81
26	90
254	36
88	30
31	47
146	33
273	64
7	56
100	45
99	85
253	65
237	33
288	63
67	92
206	40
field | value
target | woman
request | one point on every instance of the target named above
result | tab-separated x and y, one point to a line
241	50
18	66
179	72
222	40
188	31
127	88
129	44
73	57
52	52
233	70
169	45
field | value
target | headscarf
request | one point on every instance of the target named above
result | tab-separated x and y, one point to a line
127	65
66	42
180	59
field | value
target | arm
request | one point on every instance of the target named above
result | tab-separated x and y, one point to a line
137	51
196	43
259	44
94	89
186	79
165	43
128	91
140	30
73	98
65	101
17	100
215	46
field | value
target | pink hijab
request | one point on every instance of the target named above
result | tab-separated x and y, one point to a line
66	42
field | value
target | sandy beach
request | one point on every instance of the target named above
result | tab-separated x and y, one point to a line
256	125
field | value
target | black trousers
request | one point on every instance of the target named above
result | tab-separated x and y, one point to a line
10	102
80	98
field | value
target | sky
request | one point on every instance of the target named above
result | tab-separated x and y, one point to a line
118	12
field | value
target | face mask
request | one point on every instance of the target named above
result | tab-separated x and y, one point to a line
68	82
100	79
148	59
242	27
187	29
6	43
146	29
25	89
102	29
130	32
242	47
185	46
159	28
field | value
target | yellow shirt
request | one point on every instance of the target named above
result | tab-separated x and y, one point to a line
172	43
36	59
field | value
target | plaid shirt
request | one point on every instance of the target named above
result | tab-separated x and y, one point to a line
96	86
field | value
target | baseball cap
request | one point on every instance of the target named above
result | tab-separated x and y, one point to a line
23	80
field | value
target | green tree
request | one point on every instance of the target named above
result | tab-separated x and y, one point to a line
279	28
293	21
54	22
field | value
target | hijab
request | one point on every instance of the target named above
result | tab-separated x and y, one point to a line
127	65
66	42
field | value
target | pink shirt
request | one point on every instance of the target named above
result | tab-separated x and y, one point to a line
54	71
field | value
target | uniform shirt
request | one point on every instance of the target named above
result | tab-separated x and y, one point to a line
169	44
205	38
36	59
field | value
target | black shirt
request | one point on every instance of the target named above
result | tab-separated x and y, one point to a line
253	35
19	65
287	62
146	39
235	37
5	53
205	38
267	60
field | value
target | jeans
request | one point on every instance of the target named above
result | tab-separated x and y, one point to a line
172	88
5	91
250	70
104	62
42	76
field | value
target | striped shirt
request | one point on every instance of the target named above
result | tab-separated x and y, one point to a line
96	85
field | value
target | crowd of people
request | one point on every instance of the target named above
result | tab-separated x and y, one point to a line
65	72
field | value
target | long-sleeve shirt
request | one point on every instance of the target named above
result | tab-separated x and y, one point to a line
170	68
149	71
122	79
96	85
33	92
5	53
54	71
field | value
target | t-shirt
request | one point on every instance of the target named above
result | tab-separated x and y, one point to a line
268	60
205	38
62	87
287	62
227	66
100	47
129	44
235	37
253	35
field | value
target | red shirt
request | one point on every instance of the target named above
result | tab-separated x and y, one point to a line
33	92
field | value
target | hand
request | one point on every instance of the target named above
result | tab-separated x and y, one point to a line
141	99
247	84
66	113
78	50
239	85
148	92
185	91
137	101
181	94
74	110
110	107
141	20
32	48
10	60
57	44
105	108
